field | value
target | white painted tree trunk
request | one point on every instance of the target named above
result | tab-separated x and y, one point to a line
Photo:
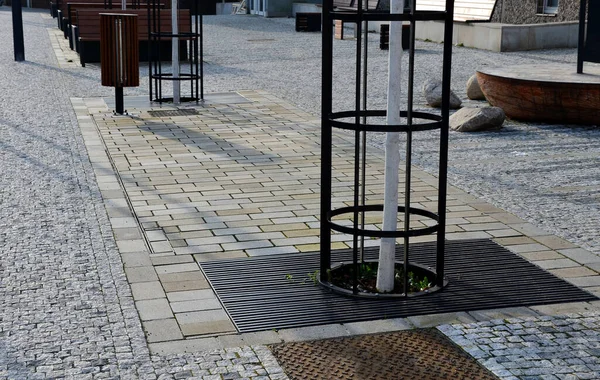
175	53
385	273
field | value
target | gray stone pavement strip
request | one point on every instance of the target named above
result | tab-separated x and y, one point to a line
67	309
564	347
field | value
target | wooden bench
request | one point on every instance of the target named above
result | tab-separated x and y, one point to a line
62	13
89	33
72	9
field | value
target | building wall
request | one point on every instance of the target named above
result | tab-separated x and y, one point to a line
525	12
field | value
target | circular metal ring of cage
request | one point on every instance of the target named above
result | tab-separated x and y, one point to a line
169	76
377	233
435	123
182	100
347	292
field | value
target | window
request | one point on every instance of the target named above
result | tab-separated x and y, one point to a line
547	6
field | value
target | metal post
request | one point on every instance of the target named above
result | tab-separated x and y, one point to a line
443	168
119	100
326	108
581	42
409	142
175	53
18	40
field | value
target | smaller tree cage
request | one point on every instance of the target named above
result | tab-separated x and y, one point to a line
361	121
187	34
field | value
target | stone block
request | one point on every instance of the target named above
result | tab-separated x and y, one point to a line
154	309
433	320
313	333
162	330
140	274
147	290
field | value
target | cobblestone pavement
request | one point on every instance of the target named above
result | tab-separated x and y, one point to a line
67	307
549	348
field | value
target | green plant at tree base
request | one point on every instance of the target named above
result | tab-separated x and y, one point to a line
313	277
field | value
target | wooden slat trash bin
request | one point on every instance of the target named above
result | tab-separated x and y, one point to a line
119	53
308	22
384	37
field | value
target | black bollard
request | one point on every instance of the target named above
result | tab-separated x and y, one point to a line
119	100
17	19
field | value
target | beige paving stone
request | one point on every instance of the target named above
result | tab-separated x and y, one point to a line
176	268
554	242
196	275
504	313
147	290
480	219
170	259
378	326
136	259
209	327
154	309
585	282
563	308
161	246
594	266
270	251
190	295
506	218
523	248
542	255
580	255
503	233
127	246
162	330
193	249
519	240
185	346
127	233
313	333
206	257
483	226
528	229
574	272
556	264
196	305
249	339
247	245
468	235
140	274
432	320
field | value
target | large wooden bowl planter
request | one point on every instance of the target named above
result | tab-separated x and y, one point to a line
552	93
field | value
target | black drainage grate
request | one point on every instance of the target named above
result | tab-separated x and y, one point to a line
275	292
171	113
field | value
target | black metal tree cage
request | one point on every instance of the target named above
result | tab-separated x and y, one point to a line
161	36
359	121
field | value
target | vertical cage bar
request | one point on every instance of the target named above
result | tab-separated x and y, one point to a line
443	167
363	200
326	109
581	40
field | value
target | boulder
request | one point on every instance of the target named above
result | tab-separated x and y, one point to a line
473	90
432	90
470	119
